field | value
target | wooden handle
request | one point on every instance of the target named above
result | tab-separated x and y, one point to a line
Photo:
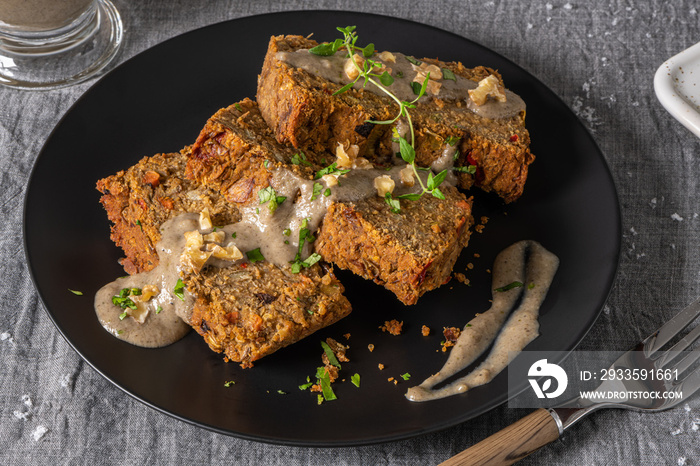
511	444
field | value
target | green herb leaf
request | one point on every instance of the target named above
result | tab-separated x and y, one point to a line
123	300
286	232
344	88
386	79
255	255
355	379
281	392
410	196
76	292
179	289
306	386
311	260
452	140
394	204
448	74
330	355
509	286
324	50
368	50
268	195
437	193
327	192
229	383
238	107
317	189
416	87
406	376
123	315
408	153
300	159
439	178
471	169
399	74
328	394
331	169
414	61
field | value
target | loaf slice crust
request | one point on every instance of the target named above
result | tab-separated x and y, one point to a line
245	310
409	252
301	109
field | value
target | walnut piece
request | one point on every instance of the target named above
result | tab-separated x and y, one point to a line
488	87
384	184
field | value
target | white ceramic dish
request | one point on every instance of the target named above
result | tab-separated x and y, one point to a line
677	86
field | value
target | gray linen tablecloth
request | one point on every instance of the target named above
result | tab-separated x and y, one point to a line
598	56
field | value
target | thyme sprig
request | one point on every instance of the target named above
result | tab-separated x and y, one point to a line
370	71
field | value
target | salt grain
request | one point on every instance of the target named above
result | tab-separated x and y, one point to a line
677	217
39	432
676	431
27	401
681	461
66	380
21	415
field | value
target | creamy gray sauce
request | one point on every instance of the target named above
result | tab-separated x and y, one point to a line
332	69
526	262
167	314
260	228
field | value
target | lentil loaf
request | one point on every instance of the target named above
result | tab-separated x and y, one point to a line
245	309
409	252
303	111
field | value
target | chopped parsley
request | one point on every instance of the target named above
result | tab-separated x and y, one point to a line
159	309
324	380
414	61
255	255
406	376
331	169
300	159
394	204
509	286
355	379
448	74
307	385
124	301
304	237
123	315
179	289
318	187
229	383
330	355
452	140
471	169
76	292
233	235
269	196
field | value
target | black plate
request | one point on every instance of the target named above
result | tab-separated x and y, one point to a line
160	99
